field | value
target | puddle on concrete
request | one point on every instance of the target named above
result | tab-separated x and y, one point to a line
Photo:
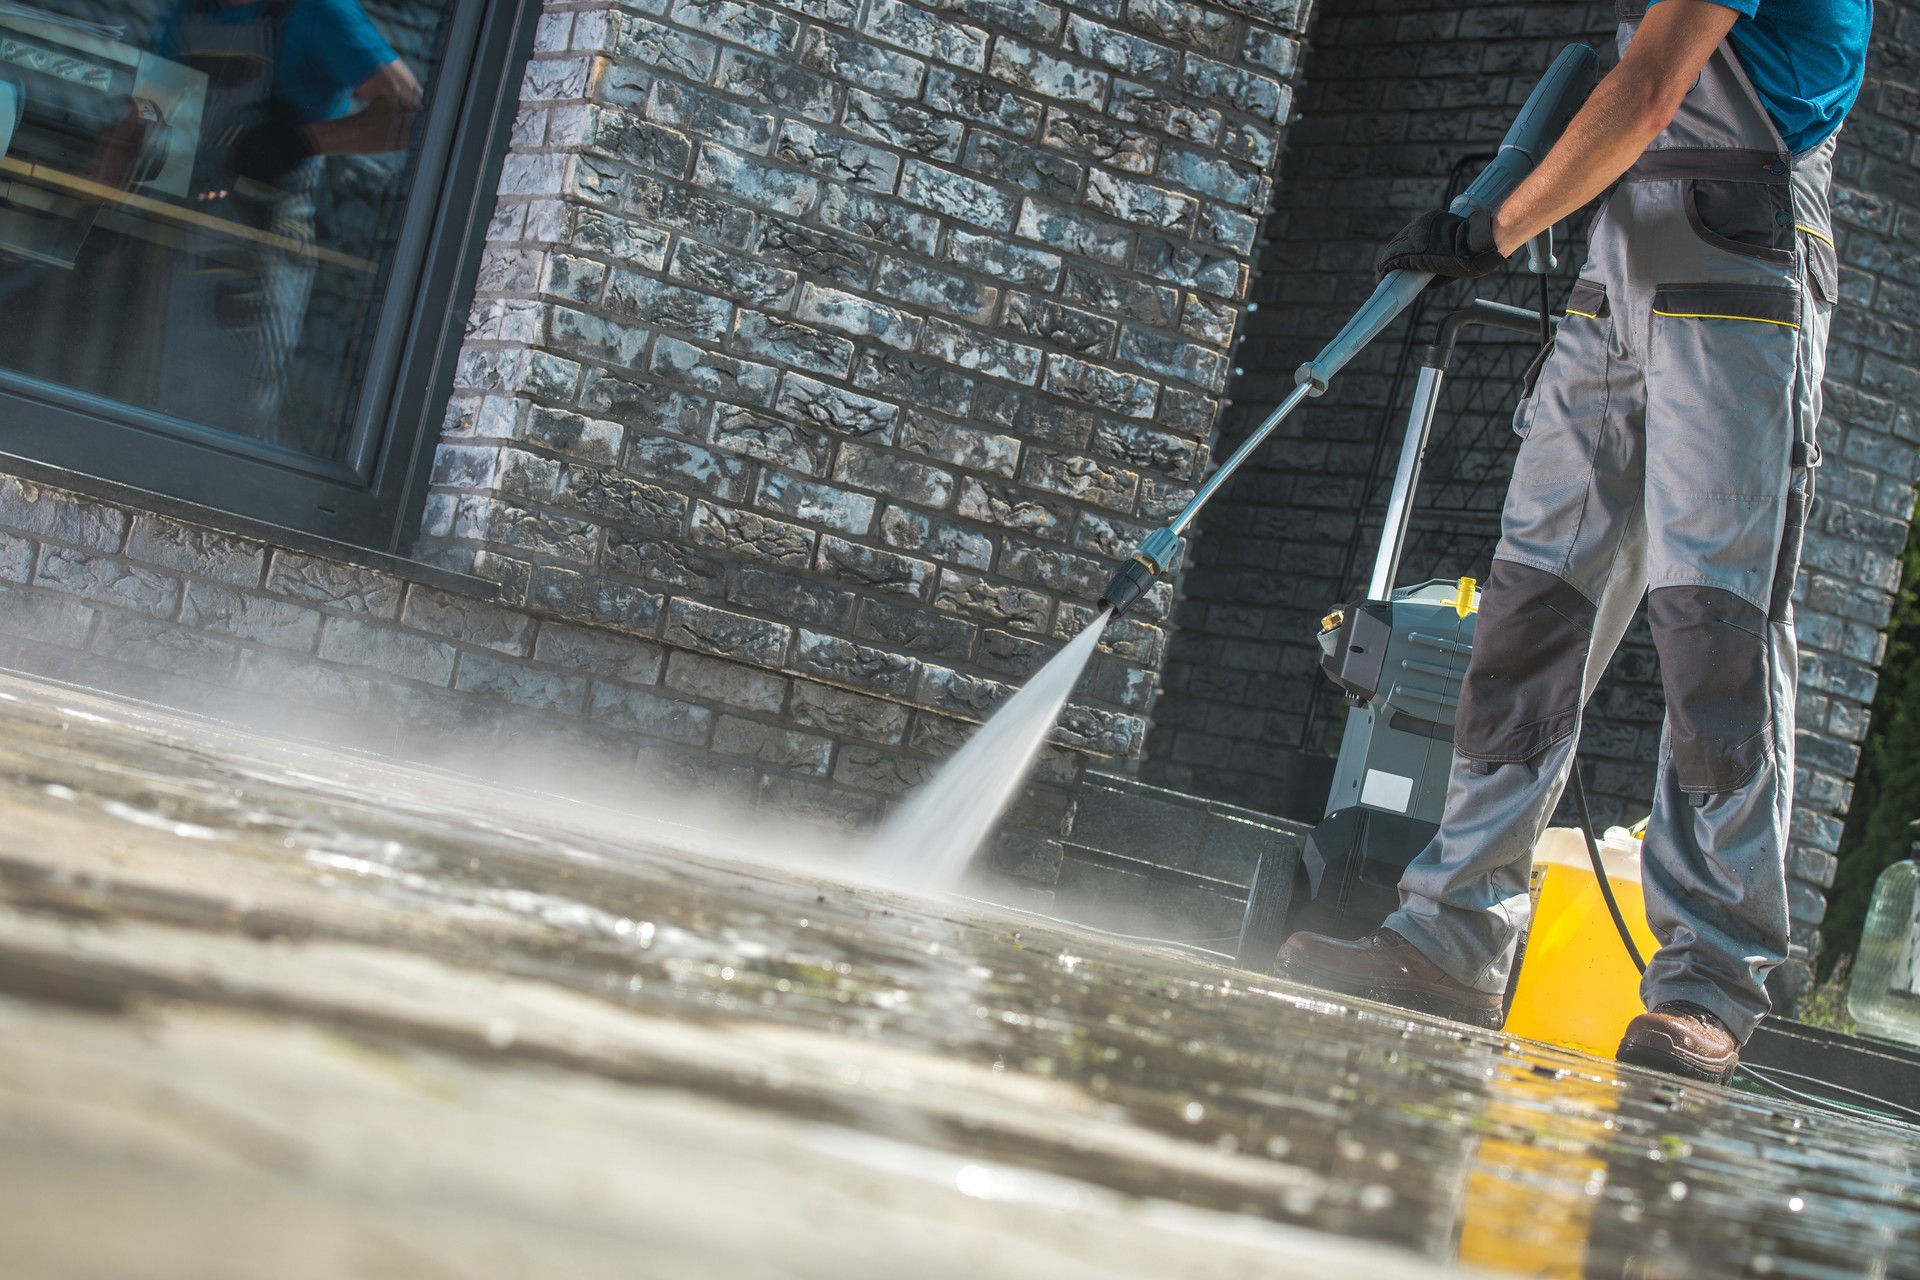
267	1009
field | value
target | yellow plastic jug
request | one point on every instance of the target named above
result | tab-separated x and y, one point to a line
1577	986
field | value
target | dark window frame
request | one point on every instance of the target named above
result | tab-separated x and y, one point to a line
376	499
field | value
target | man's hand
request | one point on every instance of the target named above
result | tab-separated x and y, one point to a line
1445	244
1629	109
389	99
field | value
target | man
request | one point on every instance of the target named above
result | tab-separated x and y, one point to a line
288	81
1668	452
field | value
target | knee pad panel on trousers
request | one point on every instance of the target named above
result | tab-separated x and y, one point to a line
1523	685
1713	663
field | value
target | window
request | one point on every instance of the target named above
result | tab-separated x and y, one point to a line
231	233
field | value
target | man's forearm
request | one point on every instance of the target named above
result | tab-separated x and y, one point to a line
1628	110
389	100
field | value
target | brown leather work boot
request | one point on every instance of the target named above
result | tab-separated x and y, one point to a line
1384	966
1683	1039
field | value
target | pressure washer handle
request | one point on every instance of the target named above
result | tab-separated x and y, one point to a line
1534	131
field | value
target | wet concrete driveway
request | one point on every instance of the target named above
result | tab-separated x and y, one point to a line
268	1010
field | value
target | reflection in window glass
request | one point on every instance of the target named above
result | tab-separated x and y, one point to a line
197	199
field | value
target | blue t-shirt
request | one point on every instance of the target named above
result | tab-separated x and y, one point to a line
1805	58
329	48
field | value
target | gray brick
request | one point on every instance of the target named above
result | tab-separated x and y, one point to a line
623	500
189	549
107	580
1173	357
738	380
1026	67
885	70
1099	139
837	157
1027	19
850	313
823	257
519	683
788	342
778	748
924	286
1068	229
894	475
594	597
639	39
758	28
1084	479
444	613
1183	24
956	196
994	256
756	537
689	466
1116	295
594	337
1021	608
961	444
872	567
356	643
668	204
589	439
642	143
798	446
1061	571
1081	332
780	84
1223	275
16	558
1257	95
846	715
898	377
667	306
1214	178
606	654
1148	449
941	540
1153	108
843	662
543	532
781	190
301	679
59	515
44	616
650	714
1006	506
259	618
831	409
1122	52
1140	202
335	585
1107	389
915	630
591	230
954	93
797	599
932	36
1028	168
824	505
804	800
668	562
899	125
720	680
969	696
162	646
985	353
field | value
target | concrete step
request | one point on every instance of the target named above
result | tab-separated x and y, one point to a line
1158	863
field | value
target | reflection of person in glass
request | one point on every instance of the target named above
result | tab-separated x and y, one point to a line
288	81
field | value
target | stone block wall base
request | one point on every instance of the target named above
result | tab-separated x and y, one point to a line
146	607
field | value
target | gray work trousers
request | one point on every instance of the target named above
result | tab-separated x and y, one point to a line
1667	453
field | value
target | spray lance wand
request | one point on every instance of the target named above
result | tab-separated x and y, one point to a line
1540	122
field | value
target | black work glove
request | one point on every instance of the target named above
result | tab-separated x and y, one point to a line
270	150
1448	245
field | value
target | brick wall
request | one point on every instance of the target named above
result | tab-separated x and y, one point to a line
852	342
824	356
1397	92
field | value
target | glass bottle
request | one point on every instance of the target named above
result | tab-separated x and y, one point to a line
1884	997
